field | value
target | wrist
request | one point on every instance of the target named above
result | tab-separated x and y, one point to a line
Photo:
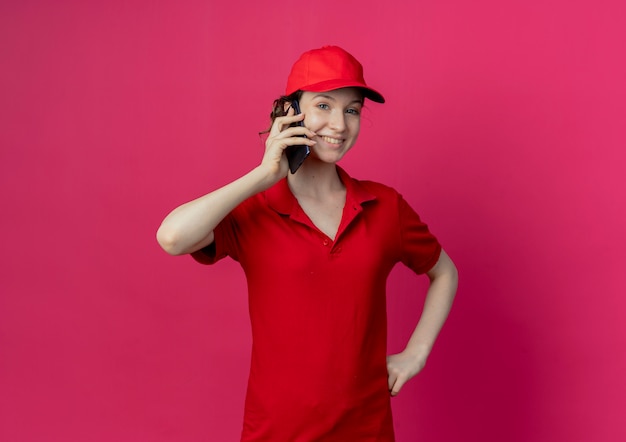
269	174
418	350
263	177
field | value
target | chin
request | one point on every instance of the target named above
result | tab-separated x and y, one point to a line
328	157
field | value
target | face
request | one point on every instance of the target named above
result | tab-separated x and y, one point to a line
335	116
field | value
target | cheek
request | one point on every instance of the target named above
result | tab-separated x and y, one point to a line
313	121
353	129
355	126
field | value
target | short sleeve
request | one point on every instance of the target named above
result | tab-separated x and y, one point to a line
420	248
206	255
222	245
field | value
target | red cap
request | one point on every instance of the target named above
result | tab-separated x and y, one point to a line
328	68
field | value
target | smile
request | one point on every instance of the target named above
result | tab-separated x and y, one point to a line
332	140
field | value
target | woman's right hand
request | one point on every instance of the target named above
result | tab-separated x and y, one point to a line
281	136
189	227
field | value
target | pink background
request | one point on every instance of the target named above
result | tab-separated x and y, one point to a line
504	128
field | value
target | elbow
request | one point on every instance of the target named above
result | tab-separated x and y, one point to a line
169	241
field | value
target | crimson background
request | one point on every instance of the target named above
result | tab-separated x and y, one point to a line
504	127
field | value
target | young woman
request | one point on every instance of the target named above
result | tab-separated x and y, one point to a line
317	247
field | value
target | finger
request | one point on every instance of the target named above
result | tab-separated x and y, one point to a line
391	380
281	122
396	387
296	131
292	141
291	137
274	148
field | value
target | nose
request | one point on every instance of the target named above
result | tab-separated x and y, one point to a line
337	121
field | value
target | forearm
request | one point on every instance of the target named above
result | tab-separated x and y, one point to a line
403	366
437	306
190	226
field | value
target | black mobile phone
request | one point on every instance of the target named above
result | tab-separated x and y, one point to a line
296	154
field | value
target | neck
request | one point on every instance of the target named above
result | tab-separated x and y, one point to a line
315	179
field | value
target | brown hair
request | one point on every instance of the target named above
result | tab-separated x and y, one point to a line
278	108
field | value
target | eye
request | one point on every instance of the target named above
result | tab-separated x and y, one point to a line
353	111
323	106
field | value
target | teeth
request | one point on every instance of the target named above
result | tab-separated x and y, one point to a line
332	140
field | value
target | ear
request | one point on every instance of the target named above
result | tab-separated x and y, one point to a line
286	106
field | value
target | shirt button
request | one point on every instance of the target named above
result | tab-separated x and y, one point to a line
326	242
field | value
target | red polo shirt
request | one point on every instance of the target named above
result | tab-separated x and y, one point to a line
317	309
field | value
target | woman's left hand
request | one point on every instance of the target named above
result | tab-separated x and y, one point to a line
443	283
402	367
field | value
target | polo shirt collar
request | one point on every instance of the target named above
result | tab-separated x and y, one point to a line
280	198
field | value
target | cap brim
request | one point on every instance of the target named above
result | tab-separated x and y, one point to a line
330	85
